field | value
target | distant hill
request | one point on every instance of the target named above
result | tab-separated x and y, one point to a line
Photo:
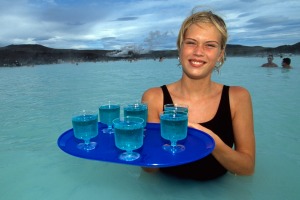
33	54
239	50
37	54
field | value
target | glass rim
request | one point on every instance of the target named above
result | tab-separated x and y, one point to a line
104	105
123	119
84	112
136	104
176	105
108	102
176	112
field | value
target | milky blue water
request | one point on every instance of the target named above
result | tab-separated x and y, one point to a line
36	105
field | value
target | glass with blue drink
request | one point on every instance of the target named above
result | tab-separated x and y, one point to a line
177	107
173	127
85	127
137	110
129	136
107	113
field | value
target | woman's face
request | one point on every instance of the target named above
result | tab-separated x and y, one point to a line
200	51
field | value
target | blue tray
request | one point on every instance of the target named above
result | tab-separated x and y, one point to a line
197	145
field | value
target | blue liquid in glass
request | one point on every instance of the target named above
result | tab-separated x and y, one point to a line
128	135
108	113
176	108
174	126
85	127
137	110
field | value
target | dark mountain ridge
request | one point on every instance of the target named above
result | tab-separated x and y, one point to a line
34	54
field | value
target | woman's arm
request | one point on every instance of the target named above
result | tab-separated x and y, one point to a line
154	98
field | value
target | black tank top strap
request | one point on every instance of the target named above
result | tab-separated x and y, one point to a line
225	100
167	96
224	106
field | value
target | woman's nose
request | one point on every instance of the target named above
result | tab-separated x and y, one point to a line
198	50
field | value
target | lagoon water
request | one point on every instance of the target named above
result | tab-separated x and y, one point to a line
36	108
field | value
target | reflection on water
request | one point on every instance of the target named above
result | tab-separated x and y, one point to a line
283	70
37	104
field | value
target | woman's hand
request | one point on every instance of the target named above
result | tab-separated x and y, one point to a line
202	128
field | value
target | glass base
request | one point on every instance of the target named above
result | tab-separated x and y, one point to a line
173	149
108	130
129	156
87	147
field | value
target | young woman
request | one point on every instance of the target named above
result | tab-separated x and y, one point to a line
224	112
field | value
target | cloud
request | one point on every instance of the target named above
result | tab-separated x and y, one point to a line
126	18
115	24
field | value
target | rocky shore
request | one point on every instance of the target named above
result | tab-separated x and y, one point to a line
30	55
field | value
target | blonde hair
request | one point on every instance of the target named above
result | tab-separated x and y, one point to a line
204	17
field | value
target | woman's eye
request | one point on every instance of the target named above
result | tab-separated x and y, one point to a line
212	45
190	43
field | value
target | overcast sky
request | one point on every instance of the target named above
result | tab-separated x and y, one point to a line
146	24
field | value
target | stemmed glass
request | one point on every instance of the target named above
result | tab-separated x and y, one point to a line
109	112
177	107
85	127
129	136
138	109
173	127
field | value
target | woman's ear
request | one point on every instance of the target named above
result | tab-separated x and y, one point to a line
221	57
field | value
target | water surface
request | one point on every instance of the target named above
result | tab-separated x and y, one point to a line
36	108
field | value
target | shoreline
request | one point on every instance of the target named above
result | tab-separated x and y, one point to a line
31	55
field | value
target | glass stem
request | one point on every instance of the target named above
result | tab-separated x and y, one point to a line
86	142
173	143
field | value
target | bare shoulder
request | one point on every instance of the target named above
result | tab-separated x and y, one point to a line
239	93
152	94
154	98
240	100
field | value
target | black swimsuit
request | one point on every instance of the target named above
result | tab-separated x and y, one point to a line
208	167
